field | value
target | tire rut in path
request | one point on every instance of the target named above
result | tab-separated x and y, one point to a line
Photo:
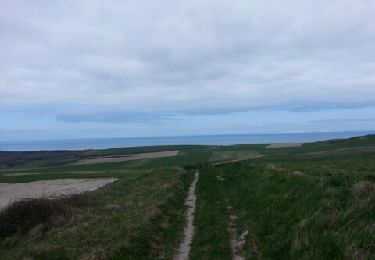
185	245
239	239
236	240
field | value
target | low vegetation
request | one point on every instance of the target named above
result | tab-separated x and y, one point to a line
141	216
24	215
294	210
315	201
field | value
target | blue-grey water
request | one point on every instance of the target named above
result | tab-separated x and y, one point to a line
97	143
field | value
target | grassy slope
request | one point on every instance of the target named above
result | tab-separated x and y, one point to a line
138	217
293	209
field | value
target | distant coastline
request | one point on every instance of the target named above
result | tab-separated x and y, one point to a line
228	139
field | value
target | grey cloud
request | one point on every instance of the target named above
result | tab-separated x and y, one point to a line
188	56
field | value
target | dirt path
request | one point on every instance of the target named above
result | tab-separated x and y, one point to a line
184	249
237	160
125	158
284	145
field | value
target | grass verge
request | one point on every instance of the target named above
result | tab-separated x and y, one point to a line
305	210
211	239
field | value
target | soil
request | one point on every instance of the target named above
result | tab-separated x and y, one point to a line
185	245
10	192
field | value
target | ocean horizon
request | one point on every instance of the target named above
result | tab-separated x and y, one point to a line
227	139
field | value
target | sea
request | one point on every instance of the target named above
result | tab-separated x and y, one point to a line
228	139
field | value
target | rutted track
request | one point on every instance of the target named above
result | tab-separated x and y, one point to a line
185	246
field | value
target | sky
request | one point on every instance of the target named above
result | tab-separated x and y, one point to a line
86	69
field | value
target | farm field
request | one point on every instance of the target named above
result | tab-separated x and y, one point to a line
305	201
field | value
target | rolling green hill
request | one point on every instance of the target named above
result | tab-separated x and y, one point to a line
316	201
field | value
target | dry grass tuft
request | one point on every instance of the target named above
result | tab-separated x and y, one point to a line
113	206
298	173
363	188
275	168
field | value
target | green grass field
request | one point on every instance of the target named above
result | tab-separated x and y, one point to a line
292	211
316	201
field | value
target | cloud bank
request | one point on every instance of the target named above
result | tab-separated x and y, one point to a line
90	68
188	56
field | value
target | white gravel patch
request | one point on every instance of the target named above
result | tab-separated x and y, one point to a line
10	192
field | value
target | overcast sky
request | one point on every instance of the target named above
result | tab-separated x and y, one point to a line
71	69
